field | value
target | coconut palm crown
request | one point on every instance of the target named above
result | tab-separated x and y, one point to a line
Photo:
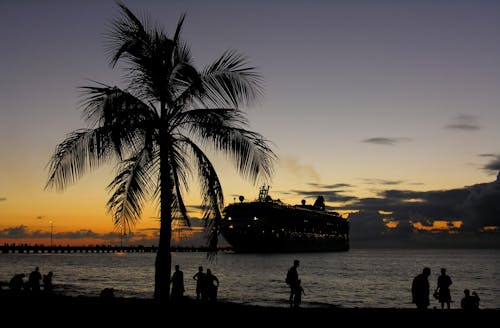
158	130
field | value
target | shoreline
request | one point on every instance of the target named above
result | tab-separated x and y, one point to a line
53	309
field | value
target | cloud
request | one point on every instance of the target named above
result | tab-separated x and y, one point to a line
464	127
385	141
474	206
411	205
333	193
23	231
331	186
482	205
464	123
329	195
293	165
382	182
15	232
3	198
494	164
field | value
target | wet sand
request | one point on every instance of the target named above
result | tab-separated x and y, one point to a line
65	311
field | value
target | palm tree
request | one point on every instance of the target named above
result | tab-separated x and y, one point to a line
160	128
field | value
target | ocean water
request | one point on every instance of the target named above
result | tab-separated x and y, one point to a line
358	278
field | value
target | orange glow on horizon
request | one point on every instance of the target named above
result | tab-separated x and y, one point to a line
438	225
385	212
413	200
390	223
489	228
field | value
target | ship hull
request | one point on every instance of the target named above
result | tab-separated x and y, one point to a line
274	228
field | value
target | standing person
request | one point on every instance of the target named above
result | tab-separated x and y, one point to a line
292	279
177	284
34	280
420	289
212	284
298	292
47	283
443	286
200	278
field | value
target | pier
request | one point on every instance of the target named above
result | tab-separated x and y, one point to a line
41	249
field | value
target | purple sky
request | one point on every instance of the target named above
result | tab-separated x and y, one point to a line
356	92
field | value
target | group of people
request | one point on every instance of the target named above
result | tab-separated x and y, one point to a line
33	284
420	292
207	285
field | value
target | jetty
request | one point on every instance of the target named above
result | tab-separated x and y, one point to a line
60	249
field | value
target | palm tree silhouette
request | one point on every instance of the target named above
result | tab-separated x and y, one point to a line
159	128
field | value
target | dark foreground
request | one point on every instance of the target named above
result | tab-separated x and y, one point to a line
65	311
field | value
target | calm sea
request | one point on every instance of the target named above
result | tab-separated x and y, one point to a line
358	278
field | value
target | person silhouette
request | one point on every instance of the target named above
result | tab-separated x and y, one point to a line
200	278
177	284
34	280
443	286
16	283
298	292
212	284
292	279
470	302
420	289
47	283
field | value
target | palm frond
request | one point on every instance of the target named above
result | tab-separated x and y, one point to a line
230	81
211	194
203	120
183	53
180	171
177	33
185	85
128	37
127	117
106	105
131	186
82	150
225	130
146	50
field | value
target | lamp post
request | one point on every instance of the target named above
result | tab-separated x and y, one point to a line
51	232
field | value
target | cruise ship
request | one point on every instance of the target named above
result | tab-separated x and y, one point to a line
270	226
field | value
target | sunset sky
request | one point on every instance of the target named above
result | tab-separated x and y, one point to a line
388	107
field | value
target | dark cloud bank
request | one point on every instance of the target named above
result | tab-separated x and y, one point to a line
476	206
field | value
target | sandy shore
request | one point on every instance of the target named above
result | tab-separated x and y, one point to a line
60	310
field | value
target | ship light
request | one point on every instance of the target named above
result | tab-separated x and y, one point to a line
231	226
229	218
255	218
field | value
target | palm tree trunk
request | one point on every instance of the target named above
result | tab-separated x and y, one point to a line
163	256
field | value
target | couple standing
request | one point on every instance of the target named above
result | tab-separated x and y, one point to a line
296	290
420	289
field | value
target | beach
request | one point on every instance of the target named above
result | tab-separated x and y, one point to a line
61	310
